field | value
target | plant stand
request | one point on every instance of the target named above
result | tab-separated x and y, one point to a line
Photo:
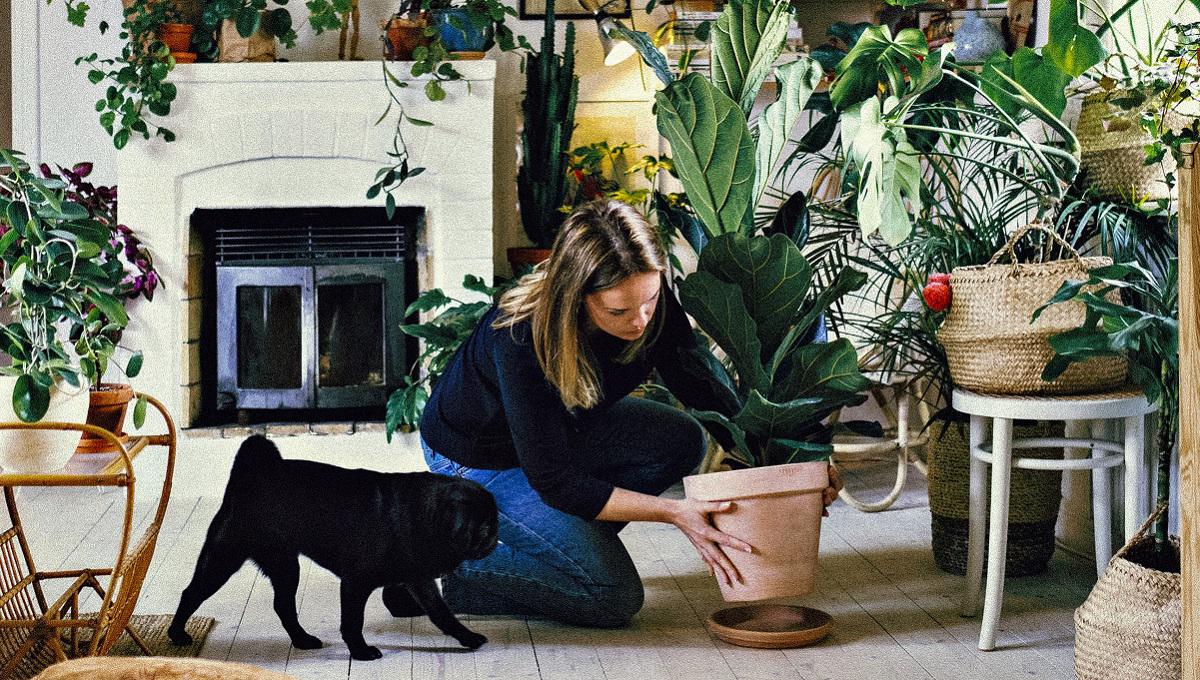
37	632
996	413
894	398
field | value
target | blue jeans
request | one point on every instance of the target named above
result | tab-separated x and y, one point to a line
554	565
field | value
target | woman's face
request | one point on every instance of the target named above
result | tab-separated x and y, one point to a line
625	309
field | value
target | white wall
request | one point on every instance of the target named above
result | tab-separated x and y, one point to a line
56	121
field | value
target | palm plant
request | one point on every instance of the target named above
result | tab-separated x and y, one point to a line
1148	334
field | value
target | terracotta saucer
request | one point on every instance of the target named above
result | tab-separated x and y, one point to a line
770	626
468	56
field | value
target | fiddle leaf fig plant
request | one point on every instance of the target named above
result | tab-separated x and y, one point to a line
754	296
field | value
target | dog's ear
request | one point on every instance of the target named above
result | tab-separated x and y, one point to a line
466	519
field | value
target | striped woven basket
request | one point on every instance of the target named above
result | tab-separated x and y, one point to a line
991	345
1113	152
1129	626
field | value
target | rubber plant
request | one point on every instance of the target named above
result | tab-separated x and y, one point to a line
58	286
442	334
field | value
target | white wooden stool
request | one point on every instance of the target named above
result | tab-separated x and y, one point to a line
997	413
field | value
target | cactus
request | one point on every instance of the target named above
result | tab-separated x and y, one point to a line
551	88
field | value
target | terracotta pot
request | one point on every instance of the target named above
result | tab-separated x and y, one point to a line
184	57
177	37
520	258
778	511
29	451
107	407
404	36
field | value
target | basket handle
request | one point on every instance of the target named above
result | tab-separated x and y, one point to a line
1036	225
1141	533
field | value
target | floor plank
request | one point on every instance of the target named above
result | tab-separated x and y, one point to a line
896	616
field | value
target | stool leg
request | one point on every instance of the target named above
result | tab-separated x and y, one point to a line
1101	503
1135	474
977	517
993	595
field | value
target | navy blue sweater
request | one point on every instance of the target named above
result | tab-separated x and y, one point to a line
494	409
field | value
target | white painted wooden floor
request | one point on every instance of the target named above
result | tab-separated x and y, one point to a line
895	614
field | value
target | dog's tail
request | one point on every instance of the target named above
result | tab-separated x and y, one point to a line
256	455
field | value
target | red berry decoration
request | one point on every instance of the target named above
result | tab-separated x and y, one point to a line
937	296
939	278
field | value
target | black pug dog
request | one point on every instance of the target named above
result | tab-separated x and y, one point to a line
371	529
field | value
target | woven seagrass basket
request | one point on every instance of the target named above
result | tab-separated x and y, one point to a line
991	345
1113	152
1032	512
1129	626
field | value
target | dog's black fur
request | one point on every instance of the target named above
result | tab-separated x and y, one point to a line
371	529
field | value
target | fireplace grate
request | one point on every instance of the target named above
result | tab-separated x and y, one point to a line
266	243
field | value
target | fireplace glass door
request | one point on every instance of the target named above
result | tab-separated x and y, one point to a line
322	336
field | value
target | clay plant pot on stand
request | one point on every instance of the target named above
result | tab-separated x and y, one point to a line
32	451
108	403
177	37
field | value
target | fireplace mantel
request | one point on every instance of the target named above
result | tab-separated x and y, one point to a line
297	134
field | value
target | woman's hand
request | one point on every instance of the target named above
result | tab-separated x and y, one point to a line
693	519
831	492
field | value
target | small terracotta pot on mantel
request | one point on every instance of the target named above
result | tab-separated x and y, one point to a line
403	35
521	258
108	405
177	37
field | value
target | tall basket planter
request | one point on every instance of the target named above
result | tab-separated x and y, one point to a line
1113	152
991	345
1031	517
1130	625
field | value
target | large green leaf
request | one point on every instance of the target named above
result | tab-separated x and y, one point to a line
742	450
30	399
1072	48
771	275
820	369
789	420
647	51
878	57
712	149
749	36
720	311
889	171
797	81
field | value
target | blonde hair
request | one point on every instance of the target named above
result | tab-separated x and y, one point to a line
598	246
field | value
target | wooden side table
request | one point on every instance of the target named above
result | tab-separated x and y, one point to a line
35	632
997	413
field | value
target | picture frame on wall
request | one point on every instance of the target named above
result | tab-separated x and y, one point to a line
572	9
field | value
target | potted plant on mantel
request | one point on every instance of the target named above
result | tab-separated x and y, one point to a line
62	313
551	89
136	277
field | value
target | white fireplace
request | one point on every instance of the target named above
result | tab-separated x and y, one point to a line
296	135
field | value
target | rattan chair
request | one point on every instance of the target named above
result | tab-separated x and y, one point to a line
35	632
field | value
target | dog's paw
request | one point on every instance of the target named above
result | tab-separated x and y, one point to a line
307	642
366	653
179	637
471	640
